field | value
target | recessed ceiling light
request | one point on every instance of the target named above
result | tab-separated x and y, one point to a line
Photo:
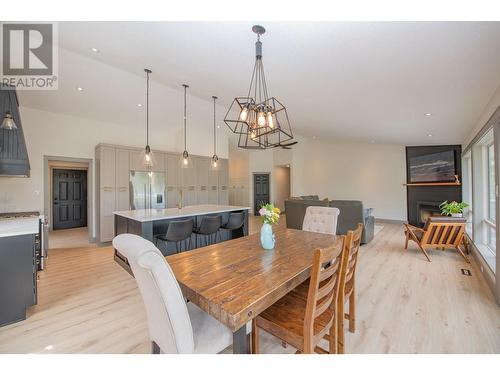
428	114
95	50
139	105
429	135
79	88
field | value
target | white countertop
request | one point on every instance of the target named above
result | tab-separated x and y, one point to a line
18	226
173	213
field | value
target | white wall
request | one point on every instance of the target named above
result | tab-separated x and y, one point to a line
372	173
55	134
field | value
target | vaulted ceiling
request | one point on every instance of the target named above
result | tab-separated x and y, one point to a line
359	81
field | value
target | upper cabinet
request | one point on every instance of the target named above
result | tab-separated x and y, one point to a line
223	182
173	179
202	166
122	179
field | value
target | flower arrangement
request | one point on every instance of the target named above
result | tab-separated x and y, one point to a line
269	214
452	208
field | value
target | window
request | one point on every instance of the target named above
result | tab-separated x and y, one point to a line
467	190
484	197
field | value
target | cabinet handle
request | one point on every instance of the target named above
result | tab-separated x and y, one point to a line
191	188
203	187
122	189
214	187
170	188
107	188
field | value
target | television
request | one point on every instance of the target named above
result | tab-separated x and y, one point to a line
435	167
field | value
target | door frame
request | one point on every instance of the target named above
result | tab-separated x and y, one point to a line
253	188
83	163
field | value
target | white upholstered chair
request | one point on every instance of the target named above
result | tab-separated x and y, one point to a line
174	325
321	219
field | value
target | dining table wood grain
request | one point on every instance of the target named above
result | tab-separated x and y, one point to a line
236	280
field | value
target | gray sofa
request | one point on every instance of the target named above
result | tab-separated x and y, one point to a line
351	213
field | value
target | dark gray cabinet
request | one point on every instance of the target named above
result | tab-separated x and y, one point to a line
18	277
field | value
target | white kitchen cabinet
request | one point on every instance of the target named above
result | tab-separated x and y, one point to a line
173	180
213	187
106	190
122	179
202	166
223	182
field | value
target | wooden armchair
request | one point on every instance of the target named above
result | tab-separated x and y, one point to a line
439	232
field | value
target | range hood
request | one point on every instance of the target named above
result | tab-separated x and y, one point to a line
14	160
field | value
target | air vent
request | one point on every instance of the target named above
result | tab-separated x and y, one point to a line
466	272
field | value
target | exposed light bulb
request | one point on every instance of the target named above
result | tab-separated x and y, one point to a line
215	164
244	114
252	135
185	161
270	121
150	174
147	157
261	119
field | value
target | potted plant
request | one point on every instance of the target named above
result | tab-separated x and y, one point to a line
453	209
270	215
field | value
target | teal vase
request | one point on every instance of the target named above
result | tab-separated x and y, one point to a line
267	237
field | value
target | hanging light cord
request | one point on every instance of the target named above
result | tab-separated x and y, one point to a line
185	116
215	134
147	108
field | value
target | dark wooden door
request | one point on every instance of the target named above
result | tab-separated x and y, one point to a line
69	198
260	191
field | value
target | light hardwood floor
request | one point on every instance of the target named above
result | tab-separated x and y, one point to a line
88	304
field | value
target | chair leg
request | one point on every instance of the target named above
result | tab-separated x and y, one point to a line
340	326
255	338
177	247
332	338
462	253
155	349
425	253
407	238
352	311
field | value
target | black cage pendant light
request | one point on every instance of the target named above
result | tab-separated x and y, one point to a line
186	161
147	158
214	164
260	121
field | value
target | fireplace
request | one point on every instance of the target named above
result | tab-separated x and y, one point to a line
425	209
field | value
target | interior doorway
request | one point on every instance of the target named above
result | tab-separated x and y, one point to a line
261	193
282	185
68	201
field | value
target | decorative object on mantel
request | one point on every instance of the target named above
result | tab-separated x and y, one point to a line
270	215
261	121
186	161
453	209
214	165
147	158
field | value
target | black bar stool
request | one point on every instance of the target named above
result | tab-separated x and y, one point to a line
178	232
209	228
235	224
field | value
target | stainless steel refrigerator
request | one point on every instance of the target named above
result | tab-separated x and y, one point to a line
147	190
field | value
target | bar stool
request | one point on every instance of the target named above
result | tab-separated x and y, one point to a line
235	223
178	232
209	228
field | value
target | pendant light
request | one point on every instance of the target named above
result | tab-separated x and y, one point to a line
147	157
214	163
260	121
8	122
186	161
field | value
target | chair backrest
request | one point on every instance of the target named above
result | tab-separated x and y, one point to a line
321	219
443	231
168	318
323	293
210	224
179	230
235	220
351	250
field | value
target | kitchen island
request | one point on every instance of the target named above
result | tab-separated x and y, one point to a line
149	223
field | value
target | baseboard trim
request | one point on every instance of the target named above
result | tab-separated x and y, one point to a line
390	221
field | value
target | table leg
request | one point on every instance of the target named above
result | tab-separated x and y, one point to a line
241	341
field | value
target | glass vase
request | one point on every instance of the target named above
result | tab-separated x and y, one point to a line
267	237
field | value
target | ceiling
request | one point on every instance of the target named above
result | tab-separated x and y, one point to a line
370	82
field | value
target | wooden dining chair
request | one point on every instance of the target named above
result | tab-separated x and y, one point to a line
439	232
304	322
347	288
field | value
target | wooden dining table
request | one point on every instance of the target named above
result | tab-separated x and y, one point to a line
234	281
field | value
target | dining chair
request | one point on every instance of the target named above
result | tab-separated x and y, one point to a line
235	223
438	232
174	325
303	323
348	284
321	219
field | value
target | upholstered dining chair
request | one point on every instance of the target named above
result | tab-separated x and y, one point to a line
304	322
174	325
321	219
